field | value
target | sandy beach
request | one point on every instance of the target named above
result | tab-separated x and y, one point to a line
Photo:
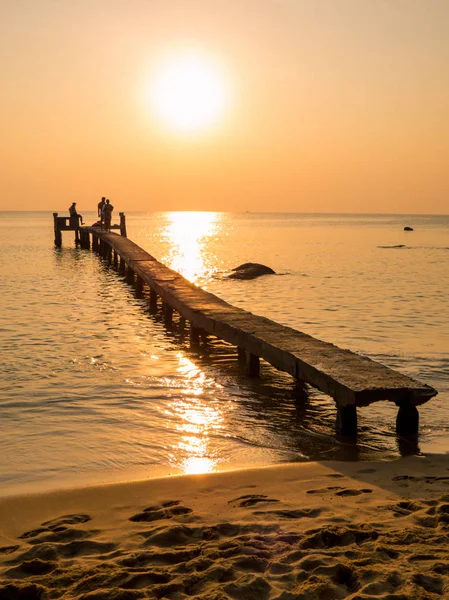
291	532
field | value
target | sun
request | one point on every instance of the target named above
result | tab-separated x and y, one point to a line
189	92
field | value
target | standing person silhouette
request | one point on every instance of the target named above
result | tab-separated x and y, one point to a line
100	210
107	215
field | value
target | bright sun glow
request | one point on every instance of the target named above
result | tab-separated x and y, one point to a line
189	92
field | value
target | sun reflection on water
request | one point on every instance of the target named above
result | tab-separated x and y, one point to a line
196	421
187	234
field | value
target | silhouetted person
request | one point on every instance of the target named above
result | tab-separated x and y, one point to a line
75	216
100	210
107	215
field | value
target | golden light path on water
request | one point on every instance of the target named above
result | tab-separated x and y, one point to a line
196	420
187	234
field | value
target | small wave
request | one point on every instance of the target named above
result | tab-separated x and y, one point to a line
417	247
294	273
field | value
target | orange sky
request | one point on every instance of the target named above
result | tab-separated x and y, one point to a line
337	105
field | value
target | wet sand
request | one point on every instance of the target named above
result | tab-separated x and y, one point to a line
308	531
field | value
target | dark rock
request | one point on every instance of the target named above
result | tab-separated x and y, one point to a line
408	228
250	271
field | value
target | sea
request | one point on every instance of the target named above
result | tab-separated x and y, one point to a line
95	389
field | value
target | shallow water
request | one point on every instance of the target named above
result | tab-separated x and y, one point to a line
94	388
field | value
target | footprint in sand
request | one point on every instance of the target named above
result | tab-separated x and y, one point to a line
250	500
352	492
8	549
43	555
56	530
166	510
325	490
433	585
339	491
424	479
310	513
404	508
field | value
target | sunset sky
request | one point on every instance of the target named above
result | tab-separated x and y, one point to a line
227	105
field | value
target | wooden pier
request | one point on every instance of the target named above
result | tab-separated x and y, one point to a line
352	380
72	224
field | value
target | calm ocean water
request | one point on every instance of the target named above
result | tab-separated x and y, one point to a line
94	389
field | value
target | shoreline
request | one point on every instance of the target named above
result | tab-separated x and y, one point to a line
285	532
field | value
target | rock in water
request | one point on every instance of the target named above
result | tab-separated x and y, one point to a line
408	228
250	271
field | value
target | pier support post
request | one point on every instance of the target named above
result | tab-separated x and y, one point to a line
194	335
168	314
153	301
77	235
407	420
139	286
300	392
122	265
109	254
253	365
122	224
115	260
182	324
130	276
241	354
85	239
94	243
58	234
346	424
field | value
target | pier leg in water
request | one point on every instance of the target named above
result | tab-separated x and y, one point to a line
407	420
241	353
347	420
300	392
205	339
194	335
253	365
85	240
122	265
168	314
153	301
139	287
182	325
58	234
115	260
130	276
